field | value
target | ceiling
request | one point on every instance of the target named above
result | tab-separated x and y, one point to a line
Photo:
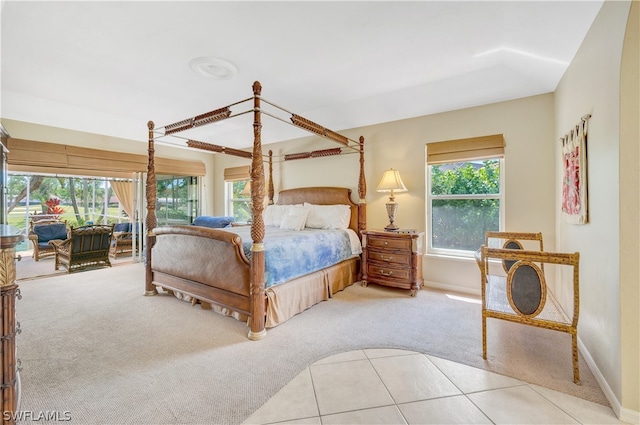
109	67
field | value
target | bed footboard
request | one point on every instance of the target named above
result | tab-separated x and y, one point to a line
207	264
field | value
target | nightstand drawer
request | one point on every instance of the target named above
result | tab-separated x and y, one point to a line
389	257
389	243
388	273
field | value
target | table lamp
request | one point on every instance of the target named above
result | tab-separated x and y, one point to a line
391	181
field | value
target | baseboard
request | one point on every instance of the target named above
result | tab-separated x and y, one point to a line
626	415
452	288
629	416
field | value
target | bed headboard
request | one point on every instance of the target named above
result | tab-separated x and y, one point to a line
321	196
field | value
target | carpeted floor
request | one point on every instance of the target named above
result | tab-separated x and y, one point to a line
94	346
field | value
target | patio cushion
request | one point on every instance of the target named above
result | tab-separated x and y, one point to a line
122	227
49	232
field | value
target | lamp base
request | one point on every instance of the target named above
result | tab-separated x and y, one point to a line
391	227
392	209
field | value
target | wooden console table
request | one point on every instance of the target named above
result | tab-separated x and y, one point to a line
9	238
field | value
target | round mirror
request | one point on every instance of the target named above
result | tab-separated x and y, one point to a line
526	288
510	244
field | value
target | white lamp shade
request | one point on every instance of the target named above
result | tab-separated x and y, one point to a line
391	181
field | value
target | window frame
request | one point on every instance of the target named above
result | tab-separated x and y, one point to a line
191	201
431	250
230	200
233	175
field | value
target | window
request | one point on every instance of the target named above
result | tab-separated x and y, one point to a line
84	200
465	195
177	200
239	200
238	193
77	200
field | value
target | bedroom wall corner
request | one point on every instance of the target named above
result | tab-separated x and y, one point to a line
629	223
215	191
529	132
527	125
591	85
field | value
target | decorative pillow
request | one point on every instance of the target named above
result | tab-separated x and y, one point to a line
295	219
328	216
122	227
274	214
215	222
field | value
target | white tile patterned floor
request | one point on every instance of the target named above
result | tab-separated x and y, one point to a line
388	386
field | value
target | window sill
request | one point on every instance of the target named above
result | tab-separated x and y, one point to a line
451	257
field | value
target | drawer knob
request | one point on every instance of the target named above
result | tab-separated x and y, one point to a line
382	257
386	243
389	273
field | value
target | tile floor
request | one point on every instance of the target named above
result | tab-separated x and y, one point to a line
388	386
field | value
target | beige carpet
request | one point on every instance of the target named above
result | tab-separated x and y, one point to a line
94	346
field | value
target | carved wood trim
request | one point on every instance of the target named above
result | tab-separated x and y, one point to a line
257	320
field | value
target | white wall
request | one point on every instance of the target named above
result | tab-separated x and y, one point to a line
592	85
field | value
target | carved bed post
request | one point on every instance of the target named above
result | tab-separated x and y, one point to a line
257	321
362	192
151	220
271	191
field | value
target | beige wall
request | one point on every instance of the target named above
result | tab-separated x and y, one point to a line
529	133
337	171
629	208
592	85
609	329
43	133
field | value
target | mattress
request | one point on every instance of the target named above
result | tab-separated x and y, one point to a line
290	254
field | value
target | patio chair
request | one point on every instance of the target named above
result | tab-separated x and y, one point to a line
43	231
122	242
87	246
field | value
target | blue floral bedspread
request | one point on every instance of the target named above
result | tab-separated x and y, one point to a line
290	254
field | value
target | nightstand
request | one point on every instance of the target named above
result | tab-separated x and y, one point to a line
392	259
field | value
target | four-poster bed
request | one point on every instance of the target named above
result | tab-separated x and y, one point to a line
214	266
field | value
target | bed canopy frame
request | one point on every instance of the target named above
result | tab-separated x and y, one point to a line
256	321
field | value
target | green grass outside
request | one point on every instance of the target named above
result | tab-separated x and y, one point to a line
17	217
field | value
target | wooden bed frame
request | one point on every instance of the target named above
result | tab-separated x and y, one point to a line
225	277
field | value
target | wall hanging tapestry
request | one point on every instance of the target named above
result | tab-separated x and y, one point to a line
574	174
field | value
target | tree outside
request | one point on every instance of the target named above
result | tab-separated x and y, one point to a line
175	205
461	211
241	201
80	201
76	200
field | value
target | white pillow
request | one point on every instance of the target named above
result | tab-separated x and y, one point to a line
295	219
328	216
274	214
